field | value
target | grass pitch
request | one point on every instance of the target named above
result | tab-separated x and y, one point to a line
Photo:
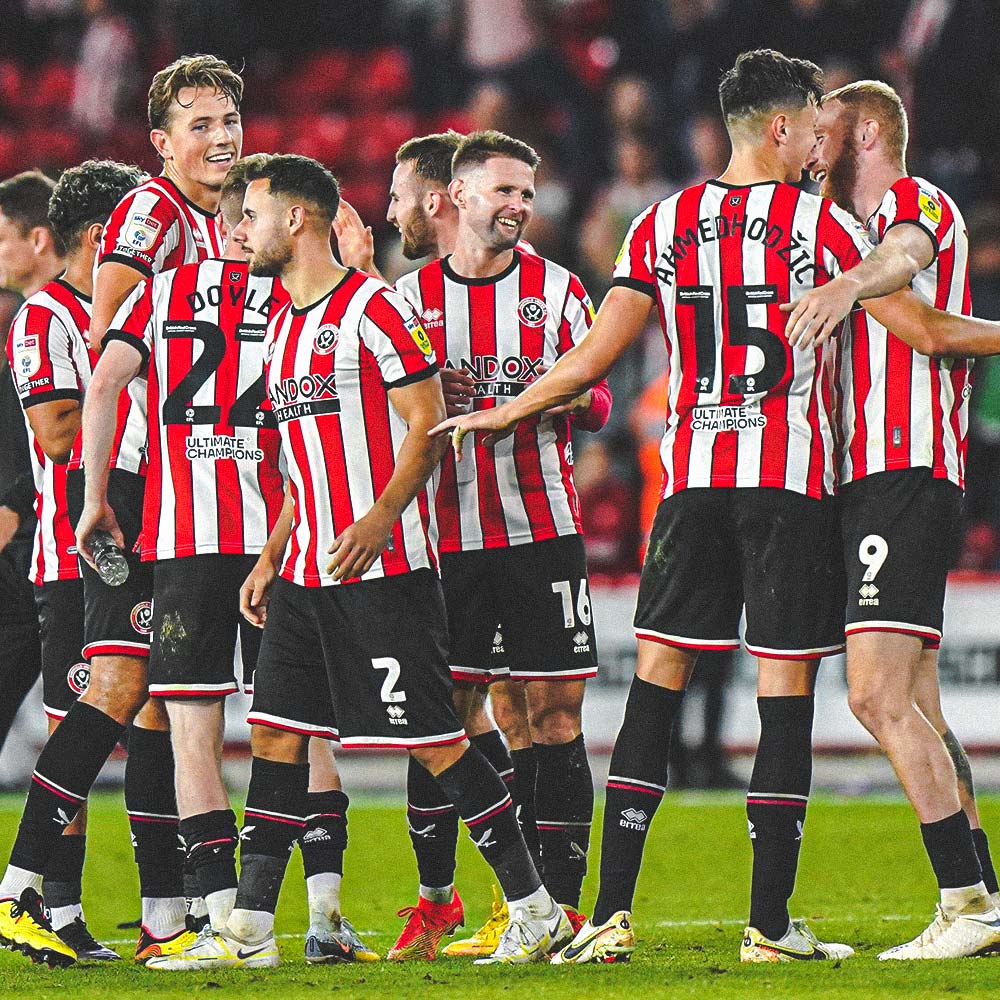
864	879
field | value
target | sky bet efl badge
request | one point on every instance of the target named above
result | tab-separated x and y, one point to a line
27	356
141	231
930	207
420	337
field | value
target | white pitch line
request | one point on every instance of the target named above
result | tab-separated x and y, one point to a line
736	921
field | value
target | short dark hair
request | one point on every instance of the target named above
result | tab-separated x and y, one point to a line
236	183
763	79
299	177
24	199
206	71
87	194
478	147
431	155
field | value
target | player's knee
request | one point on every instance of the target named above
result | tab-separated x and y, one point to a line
876	708
438	759
277	744
118	693
553	723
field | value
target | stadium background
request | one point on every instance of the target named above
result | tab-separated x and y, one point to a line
619	98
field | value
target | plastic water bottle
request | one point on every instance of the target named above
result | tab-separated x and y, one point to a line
112	566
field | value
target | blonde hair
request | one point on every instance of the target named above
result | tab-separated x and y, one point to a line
875	99
209	72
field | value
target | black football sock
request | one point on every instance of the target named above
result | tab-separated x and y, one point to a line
210	839
64	873
985	859
152	814
564	802
324	839
776	807
636	782
493	748
433	825
523	793
950	847
483	801
66	769
272	822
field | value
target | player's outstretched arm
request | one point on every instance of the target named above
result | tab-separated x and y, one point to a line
903	253
119	364
113	283
619	321
421	405
934	332
256	589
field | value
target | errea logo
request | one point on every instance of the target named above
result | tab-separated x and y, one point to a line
581	642
633	819
432	317
397	715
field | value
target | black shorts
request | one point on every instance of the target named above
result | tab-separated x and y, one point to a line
713	552
362	663
65	672
196	619
117	620
521	612
902	531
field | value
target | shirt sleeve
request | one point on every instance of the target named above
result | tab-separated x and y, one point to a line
133	322
391	331
634	263
908	202
142	230
842	242
40	356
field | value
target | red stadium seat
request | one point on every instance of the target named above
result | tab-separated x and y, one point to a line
325	137
54	146
11	153
52	91
318	83
12	88
380	135
383	80
263	134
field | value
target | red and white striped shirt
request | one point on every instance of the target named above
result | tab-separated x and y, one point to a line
504	329
213	485
898	408
744	409
329	369
49	358
154	228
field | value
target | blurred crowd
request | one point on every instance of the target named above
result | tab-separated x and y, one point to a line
618	96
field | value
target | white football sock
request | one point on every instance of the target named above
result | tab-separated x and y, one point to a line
438	895
250	926
969	898
62	916
323	890
539	905
16	880
164	917
220	905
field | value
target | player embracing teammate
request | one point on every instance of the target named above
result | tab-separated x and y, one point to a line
749	470
903	419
